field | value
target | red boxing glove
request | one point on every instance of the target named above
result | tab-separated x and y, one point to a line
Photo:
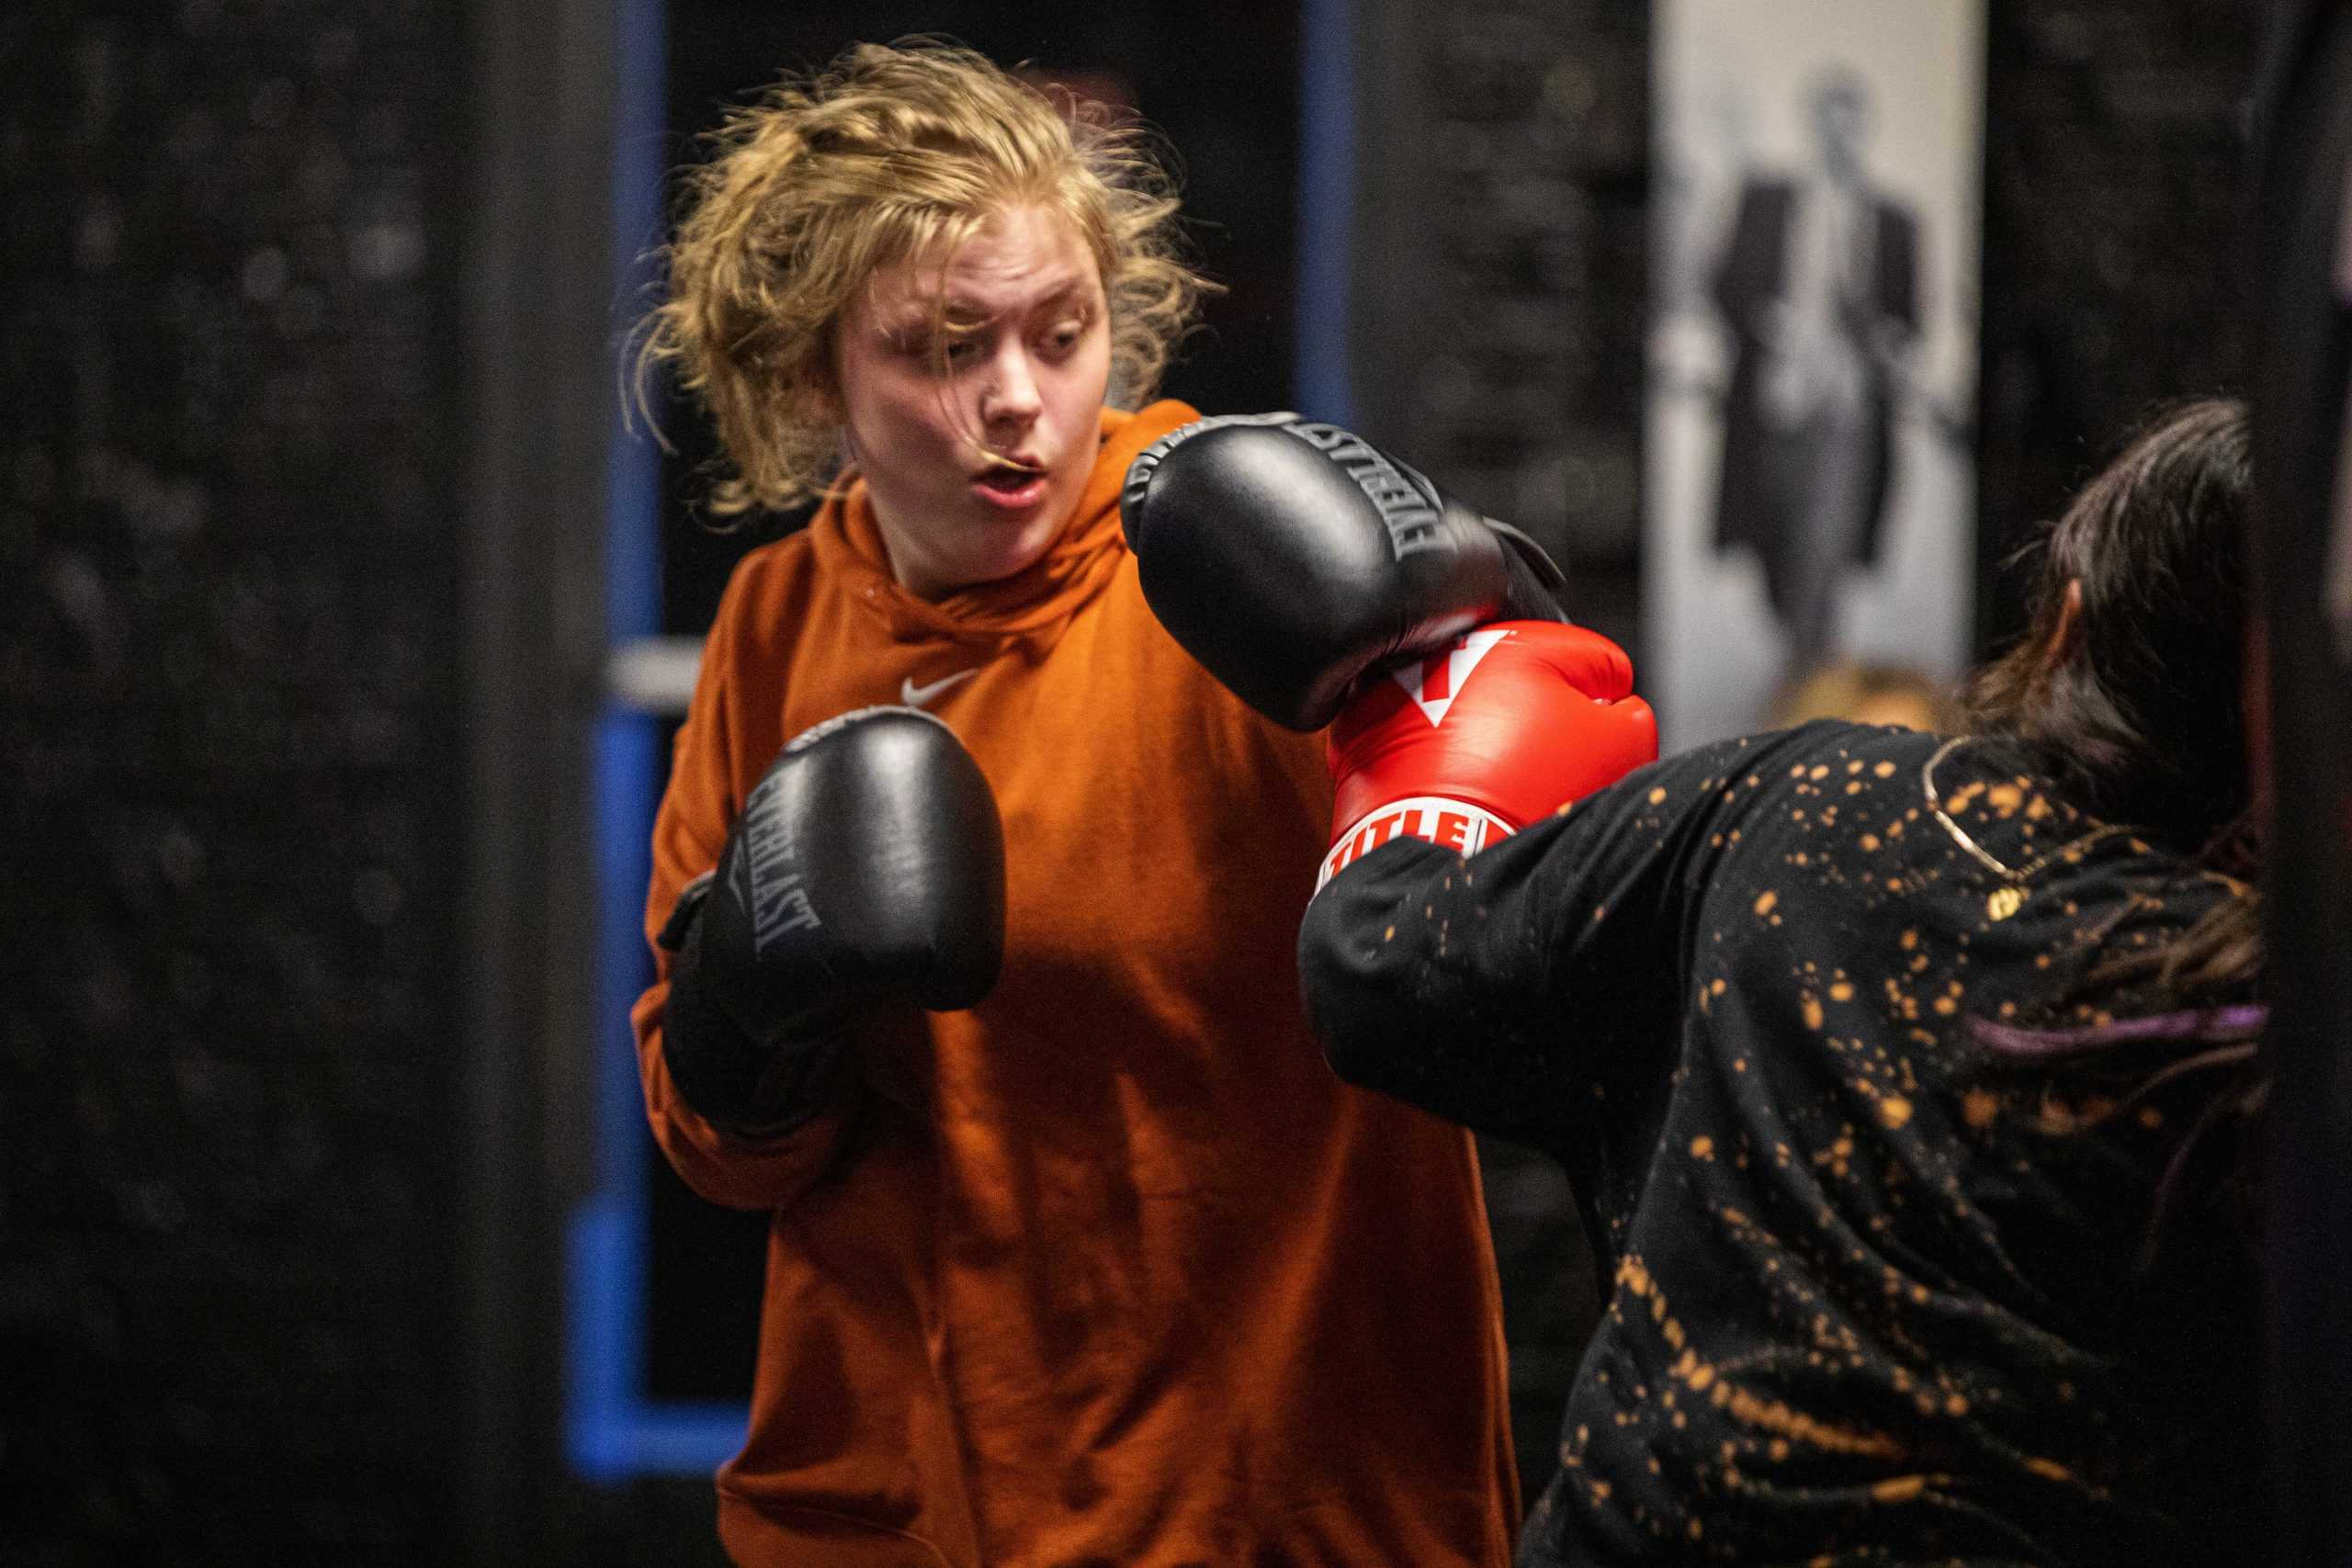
1512	722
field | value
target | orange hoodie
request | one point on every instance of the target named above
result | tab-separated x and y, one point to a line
1110	1269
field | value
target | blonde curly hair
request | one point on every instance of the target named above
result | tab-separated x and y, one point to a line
894	152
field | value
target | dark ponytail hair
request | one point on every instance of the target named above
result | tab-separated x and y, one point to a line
2142	715
2143	712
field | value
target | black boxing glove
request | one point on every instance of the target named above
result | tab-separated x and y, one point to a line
867	868
1291	557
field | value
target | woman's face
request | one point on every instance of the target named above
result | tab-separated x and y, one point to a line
974	474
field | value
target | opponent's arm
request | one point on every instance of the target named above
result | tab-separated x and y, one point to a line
1475	987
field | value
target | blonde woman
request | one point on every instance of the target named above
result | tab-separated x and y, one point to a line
1100	1263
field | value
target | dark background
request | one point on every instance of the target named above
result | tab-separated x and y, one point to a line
307	364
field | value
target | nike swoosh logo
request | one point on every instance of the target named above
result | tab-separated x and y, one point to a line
916	696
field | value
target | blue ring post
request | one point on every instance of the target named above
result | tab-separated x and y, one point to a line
613	1432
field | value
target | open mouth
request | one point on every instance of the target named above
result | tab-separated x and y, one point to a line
1010	478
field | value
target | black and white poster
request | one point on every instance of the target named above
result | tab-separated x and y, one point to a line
1810	485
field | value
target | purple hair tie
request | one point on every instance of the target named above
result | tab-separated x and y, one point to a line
2244	1021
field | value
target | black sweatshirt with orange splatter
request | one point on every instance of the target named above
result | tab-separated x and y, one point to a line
1920	1242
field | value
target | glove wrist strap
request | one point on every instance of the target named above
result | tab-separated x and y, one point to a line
1456	825
751	1088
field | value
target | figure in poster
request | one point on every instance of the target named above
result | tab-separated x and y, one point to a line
1819	289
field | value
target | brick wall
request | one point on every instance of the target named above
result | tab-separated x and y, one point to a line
2113	275
1529	397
